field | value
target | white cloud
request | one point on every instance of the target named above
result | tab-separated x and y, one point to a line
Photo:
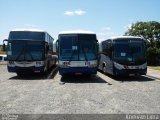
128	26
79	12
75	12
29	25
69	13
105	35
106	28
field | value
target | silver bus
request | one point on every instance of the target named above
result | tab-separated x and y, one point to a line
124	55
29	50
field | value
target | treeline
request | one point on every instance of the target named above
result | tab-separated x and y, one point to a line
1	50
150	31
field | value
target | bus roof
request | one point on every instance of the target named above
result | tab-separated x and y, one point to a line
28	30
125	37
77	32
122	37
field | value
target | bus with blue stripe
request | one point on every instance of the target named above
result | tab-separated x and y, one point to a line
77	52
29	50
123	55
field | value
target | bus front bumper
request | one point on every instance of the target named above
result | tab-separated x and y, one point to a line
130	72
25	69
77	70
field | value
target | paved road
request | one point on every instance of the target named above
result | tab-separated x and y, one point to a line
39	94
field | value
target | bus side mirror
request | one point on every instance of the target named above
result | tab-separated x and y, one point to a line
4	46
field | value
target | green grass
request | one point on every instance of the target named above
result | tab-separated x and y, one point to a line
154	67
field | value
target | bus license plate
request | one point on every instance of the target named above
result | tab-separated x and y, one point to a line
78	73
131	75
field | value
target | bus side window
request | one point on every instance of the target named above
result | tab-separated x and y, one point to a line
110	49
107	48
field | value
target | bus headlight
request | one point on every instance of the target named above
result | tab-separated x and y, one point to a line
92	65
64	64
11	62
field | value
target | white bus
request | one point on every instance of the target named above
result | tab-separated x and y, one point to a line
124	55
29	50
77	52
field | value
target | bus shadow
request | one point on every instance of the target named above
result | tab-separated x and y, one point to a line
131	79
142	78
37	76
82	79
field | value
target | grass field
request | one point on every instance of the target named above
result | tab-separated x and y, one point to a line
154	67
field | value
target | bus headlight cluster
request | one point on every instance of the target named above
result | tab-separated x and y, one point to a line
65	64
39	63
11	64
118	66
92	65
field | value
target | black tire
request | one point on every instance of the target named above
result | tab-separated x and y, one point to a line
48	66
19	74
104	69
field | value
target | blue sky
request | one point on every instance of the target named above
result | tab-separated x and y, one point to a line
104	17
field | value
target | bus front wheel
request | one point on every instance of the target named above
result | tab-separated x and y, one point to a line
19	74
104	69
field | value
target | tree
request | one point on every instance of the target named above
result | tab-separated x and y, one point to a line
150	31
1	50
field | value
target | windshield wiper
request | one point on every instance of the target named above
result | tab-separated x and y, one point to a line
20	54
27	51
84	53
71	56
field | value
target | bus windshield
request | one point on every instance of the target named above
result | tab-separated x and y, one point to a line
26	35
78	47
68	48
25	51
87	47
132	50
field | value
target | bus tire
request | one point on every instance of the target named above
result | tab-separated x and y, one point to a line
48	66
104	69
55	62
19	74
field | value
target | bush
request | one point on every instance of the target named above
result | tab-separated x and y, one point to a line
153	56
